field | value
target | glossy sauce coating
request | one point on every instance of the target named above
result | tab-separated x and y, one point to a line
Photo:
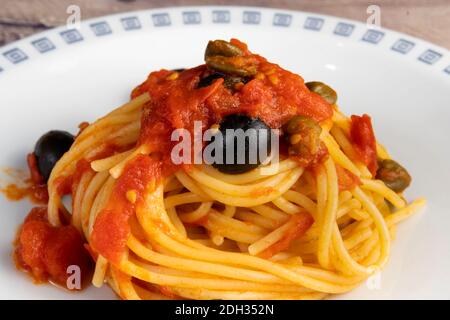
274	95
46	252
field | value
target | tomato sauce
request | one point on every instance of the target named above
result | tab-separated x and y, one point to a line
36	193
46	252
68	184
111	228
363	140
346	179
33	188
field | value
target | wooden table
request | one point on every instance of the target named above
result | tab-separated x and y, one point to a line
426	19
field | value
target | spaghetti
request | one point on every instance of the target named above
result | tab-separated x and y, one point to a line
316	225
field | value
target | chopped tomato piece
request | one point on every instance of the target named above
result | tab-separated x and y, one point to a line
47	251
346	179
363	140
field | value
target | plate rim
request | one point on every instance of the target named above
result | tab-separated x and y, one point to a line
16	52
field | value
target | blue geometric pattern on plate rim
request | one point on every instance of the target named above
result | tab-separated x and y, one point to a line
344	29
43	45
222	14
15	55
71	36
314	23
251	17
131	23
403	46
192	17
430	57
101	28
373	36
161	19
447	70
282	19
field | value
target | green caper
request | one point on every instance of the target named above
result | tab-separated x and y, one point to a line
303	134
393	175
222	48
236	66
302	123
225	57
323	90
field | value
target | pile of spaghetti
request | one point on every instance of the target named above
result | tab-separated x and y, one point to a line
320	223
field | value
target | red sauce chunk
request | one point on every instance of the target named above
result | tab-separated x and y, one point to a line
346	179
46	252
111	228
363	140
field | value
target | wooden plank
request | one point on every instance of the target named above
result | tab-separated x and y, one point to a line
427	19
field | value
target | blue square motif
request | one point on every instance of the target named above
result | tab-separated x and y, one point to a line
403	46
251	17
131	23
101	28
282	20
430	56
344	29
15	55
373	36
447	70
71	36
314	24
43	45
221	16
161	19
192	17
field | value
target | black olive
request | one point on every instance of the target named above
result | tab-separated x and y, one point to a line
253	141
208	80
228	81
50	148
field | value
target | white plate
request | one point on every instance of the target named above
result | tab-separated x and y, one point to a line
402	82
